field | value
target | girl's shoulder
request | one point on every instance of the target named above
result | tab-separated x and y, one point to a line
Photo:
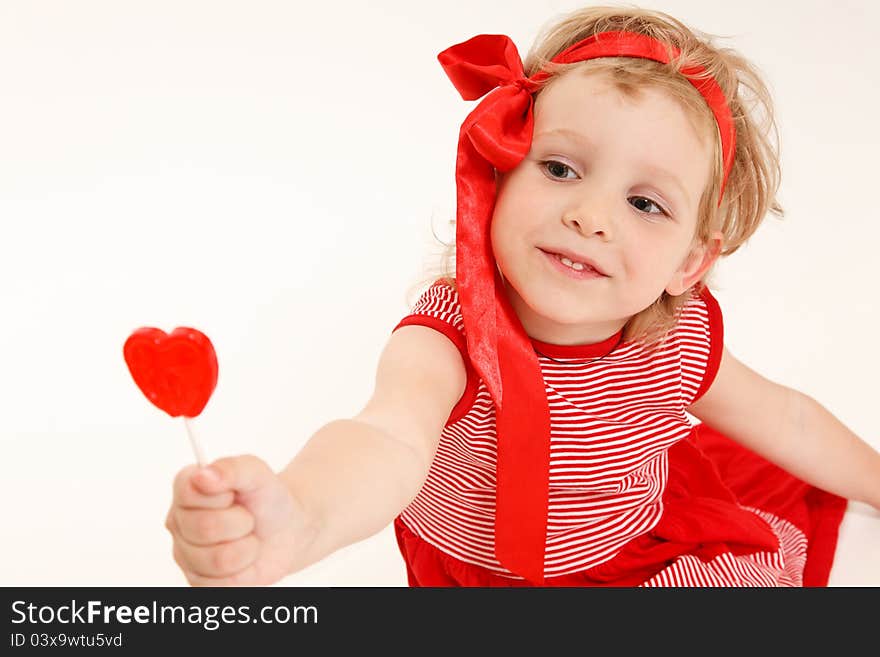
440	301
439	308
700	316
699	335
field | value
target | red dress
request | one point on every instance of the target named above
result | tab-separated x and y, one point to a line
639	495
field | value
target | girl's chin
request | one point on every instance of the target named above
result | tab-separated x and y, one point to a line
557	311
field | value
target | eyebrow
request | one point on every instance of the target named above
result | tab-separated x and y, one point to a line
565	132
651	169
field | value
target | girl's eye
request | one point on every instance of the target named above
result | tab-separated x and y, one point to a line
557	169
641	203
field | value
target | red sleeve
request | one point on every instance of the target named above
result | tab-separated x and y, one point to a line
715	331
438	309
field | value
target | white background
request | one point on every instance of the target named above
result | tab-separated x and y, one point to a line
270	175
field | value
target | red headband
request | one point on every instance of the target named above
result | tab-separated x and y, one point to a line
497	134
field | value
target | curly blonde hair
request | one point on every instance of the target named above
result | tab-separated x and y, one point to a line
754	178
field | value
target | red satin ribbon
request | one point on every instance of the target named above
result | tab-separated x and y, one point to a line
497	134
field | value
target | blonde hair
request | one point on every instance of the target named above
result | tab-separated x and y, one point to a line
754	178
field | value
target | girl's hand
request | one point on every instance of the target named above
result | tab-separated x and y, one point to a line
235	523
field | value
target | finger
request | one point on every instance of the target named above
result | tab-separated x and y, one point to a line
241	474
191	577
210	526
220	560
191	491
247	577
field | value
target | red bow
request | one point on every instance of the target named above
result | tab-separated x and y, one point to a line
497	134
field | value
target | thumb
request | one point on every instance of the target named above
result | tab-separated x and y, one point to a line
241	474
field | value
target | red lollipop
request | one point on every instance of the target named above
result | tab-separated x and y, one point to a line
177	372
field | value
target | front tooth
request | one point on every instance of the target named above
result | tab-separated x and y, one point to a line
578	266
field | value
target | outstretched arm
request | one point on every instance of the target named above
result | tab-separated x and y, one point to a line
790	429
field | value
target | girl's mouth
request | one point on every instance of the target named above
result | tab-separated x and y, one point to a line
576	270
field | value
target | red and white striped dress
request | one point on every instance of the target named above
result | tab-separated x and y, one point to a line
616	409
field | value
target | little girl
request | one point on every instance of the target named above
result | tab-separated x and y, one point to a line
529	424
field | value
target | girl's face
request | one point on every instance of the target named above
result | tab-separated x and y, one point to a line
608	179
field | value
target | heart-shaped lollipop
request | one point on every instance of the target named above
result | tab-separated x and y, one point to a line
177	372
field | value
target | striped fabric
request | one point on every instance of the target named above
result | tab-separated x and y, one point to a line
784	567
615	409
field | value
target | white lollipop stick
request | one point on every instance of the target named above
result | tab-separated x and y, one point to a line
197	448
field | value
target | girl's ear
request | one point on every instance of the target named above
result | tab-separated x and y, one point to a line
697	263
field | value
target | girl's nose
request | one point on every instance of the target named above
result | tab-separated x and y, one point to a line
589	222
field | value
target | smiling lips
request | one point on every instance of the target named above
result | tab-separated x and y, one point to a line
590	266
587	272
